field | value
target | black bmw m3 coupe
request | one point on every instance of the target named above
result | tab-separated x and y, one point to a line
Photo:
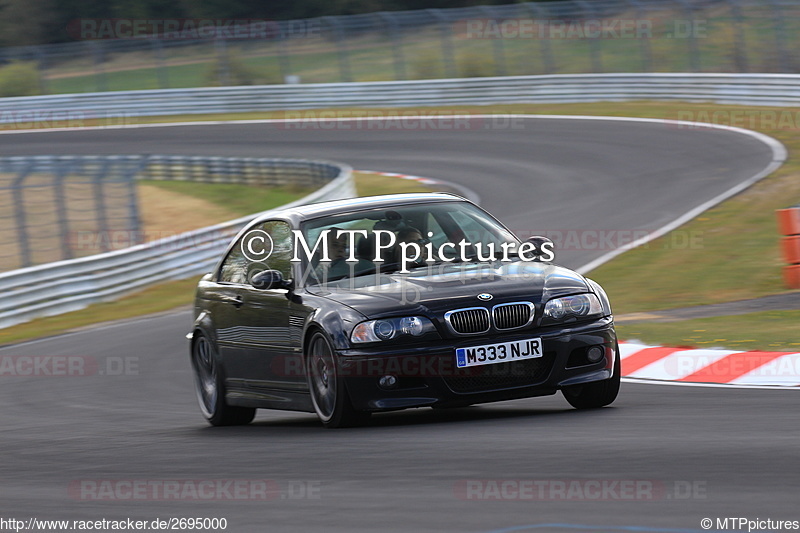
357	306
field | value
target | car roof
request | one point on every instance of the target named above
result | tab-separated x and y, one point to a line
321	209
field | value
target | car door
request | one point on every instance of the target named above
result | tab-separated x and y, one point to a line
264	315
225	297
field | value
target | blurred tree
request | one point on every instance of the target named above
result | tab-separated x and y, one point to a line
26	22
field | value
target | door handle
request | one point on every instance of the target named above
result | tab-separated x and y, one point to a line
238	301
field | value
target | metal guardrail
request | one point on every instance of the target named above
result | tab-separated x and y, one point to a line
62	207
64	286
747	89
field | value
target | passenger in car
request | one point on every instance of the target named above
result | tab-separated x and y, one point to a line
337	252
406	235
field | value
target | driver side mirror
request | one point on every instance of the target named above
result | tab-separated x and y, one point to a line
270	279
544	248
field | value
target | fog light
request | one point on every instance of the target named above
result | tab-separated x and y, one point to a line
387	382
594	354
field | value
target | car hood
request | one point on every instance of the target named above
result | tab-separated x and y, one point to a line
439	288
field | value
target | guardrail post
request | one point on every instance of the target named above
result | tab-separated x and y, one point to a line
63	167
644	42
539	14
223	65
101	82
397	44
739	40
129	175
448	52
341	47
20	215
100	204
694	53
284	61
161	70
498	48
594	44
41	68
780	36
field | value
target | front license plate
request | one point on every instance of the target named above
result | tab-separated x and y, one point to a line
503	352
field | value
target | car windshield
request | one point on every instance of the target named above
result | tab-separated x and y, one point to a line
363	242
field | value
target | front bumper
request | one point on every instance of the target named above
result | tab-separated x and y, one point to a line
427	375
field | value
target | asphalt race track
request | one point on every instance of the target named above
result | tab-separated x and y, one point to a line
661	458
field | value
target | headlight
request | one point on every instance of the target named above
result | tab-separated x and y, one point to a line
573	306
390	328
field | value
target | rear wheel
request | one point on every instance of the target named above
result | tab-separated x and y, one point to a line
211	389
597	394
328	393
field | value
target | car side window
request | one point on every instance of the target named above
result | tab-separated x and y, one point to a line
281	256
237	268
234	268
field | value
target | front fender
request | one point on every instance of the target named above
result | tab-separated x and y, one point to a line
335	318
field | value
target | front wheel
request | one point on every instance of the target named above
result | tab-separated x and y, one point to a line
597	394
328	393
211	389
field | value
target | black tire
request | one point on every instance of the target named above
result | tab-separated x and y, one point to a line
328	392
597	394
210	388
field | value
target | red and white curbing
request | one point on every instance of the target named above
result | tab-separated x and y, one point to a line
730	367
420	179
460	189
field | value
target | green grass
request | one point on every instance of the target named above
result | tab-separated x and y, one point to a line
375	185
775	331
166	296
241	199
